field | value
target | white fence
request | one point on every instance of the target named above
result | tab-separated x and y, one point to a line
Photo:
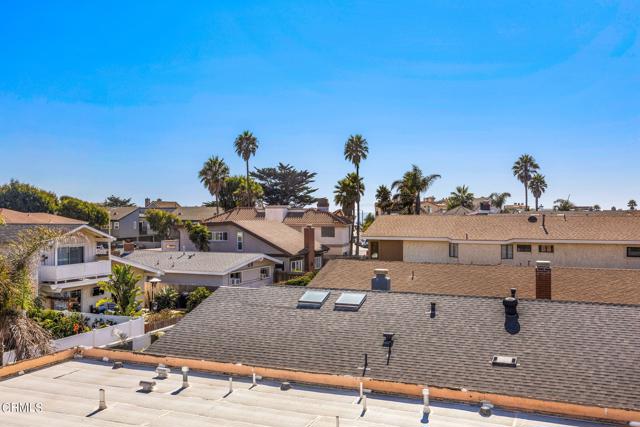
95	338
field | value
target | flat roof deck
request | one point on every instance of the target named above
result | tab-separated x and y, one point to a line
68	393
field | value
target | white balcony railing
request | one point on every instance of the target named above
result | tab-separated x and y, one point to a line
59	273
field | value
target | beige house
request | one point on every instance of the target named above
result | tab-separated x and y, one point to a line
584	240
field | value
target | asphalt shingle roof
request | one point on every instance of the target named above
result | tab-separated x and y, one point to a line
294	216
15	217
277	233
10	232
621	286
118	213
505	227
194	213
212	262
569	352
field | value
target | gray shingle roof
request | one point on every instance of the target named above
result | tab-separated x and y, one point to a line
569	352
215	263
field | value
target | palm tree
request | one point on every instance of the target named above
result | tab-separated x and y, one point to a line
413	182
355	150
564	204
461	197
499	199
345	195
523	169
18	332
383	198
213	174
246	145
124	290
537	185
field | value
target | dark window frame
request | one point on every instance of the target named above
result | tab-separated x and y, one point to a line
635	249
546	249
506	251
327	231
453	250
522	248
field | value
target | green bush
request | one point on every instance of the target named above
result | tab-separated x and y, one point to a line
196	297
167	298
59	325
302	280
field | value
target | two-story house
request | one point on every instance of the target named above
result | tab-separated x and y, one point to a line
71	267
576	240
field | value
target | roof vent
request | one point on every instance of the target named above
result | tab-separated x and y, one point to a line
511	323
508	361
313	299
350	301
381	280
432	313
532	219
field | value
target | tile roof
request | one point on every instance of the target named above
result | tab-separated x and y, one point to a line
120	212
216	263
278	234
567	352
507	227
294	216
567	284
15	217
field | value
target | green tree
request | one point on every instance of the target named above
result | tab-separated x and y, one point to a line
523	169
564	205
18	262
632	205
197	296
167	298
537	185
23	197
383	199
233	192
414	183
199	234
124	290
246	146
461	197
163	223
596	207
356	150
345	195
117	202
499	199
285	185
95	215
368	220
213	174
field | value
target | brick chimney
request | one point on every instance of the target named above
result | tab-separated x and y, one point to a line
323	204
381	280
543	280
309	244
147	202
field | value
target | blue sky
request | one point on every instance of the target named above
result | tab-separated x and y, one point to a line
130	98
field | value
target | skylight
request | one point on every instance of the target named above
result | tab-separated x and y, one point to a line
509	361
350	301
313	299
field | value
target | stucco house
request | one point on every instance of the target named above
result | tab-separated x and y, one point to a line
577	240
70	269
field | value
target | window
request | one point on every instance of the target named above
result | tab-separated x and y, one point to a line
297	265
70	255
240	240
116	225
102	248
219	236
524	248
97	291
265	273
547	249
633	252
373	247
317	262
135	225
453	250
236	278
506	251
328	232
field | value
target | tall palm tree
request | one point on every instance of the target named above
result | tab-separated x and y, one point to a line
213	174
523	169
499	199
383	198
537	185
345	195
415	183
18	332
246	146
461	197
356	149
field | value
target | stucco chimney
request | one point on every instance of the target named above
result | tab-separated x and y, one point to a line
275	213
381	280
543	280
147	202
323	204
309	244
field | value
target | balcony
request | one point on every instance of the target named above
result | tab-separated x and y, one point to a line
61	273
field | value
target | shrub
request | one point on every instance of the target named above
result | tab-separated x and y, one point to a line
166	298
301	280
59	325
196	297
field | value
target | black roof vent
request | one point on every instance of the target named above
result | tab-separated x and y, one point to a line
532	219
388	342
511	323
432	314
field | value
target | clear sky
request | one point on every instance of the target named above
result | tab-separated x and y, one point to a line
130	98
